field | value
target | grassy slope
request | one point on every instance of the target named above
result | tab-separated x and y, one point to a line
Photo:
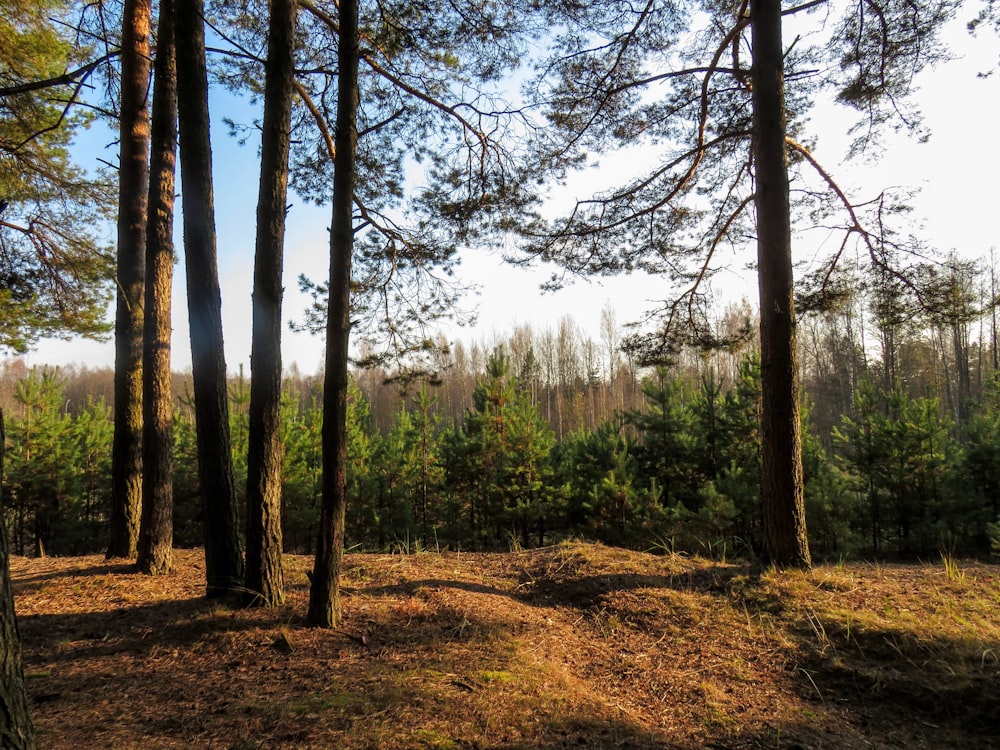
569	646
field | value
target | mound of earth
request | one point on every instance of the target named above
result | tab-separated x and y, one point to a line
575	645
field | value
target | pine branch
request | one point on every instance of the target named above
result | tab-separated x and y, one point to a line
62	80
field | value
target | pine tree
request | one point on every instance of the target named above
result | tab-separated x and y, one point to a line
534	501
133	193
665	450
300	477
41	468
324	594
223	557
55	272
682	88
363	445
427	470
156	526
16	729
503	453
265	577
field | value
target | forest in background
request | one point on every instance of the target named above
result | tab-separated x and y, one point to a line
715	452
541	435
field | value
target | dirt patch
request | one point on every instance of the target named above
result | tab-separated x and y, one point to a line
569	646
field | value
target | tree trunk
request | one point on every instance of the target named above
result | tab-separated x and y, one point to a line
960	343
16	730
265	581
786	542
133	182
324	594
156	529
223	560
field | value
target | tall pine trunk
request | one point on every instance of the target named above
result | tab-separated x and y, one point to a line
16	729
133	182
324	594
265	580
156	527
223	559
785	539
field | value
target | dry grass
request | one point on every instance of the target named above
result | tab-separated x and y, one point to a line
569	646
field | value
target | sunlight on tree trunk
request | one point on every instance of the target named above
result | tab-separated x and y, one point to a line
265	580
126	493
786	542
16	730
156	528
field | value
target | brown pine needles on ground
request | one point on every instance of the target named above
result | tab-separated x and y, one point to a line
576	645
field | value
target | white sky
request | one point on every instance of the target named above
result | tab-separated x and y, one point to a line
957	171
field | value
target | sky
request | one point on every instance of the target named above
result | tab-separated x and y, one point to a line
956	172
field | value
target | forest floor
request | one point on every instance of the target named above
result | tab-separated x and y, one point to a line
572	646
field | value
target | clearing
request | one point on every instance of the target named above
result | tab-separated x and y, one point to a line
571	646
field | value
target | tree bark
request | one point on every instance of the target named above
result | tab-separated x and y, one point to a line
223	559
133	181
156	527
786	542
16	729
324	594
265	580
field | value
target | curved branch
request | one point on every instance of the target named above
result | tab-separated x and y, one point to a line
62	80
855	227
331	149
62	115
697	153
449	110
689	294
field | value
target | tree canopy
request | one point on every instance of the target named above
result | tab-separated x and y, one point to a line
666	87
55	270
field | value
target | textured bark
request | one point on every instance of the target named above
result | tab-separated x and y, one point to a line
786	542
265	580
133	178
156	527
324	594
223	558
16	730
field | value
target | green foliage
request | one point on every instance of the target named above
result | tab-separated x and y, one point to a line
698	451
301	434
898	484
239	434
827	498
57	469
603	500
666	452
393	509
739	473
500	459
896	452
187	498
977	517
54	272
363	518
411	475
993	532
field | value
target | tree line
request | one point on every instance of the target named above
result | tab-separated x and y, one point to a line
535	437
